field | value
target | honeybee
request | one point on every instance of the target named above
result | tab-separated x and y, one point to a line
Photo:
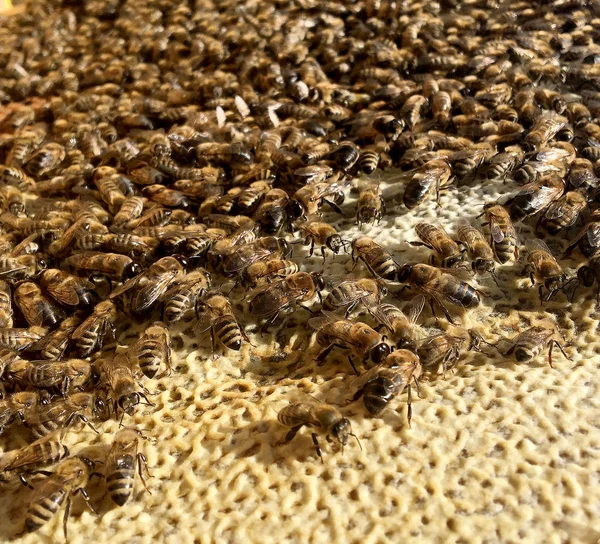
20	339
36	308
271	300
309	199
20	268
357	338
435	238
271	214
120	466
6	319
440	286
317	232
269	247
45	159
535	197
110	265
92	333
543	268
65	288
588	239
183	294
503	236
266	271
231	223
215	313
17	406
441	107
151	284
400	323
250	198
381	384
480	252
527	345
44	452
317	415
378	260
564	212
371	206
131	209
582	174
370	158
117	374
11	200
503	164
70	477
13	175
153	350
54	344
545	127
348	294
435	174
65	376
440	350
133	246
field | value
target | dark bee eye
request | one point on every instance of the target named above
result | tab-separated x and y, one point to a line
379	352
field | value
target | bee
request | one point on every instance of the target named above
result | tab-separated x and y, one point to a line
320	416
131	209
36	308
183	294
400	323
117	374
65	376
65	288
357	338
135	247
543	268
13	175
250	198
120	466
70	477
20	268
440	286
412	109
582	174
45	159
545	127
381	384
435	174
503	164
54	344
468	161
20	339
564	212
151	284
440	349
480	252
535	197
309	199
44	452
503	236
588	239
317	232
18	406
267	271
371	206
231	223
153	350
527	345
6	314
348	294
268	247
92	333
345	155
166	196
271	214
446	250
370	158
110	265
277	297
215	313
441	107
377	259
12	200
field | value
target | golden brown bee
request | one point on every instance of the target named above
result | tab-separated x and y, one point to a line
543	268
251	196
400	323
146	288
378	260
12	200
440	350
20	268
503	164
588	239
135	247
215	313
527	345
262	249
371	206
54	344
323	234
446	250
12	175
111	265
277	297
6	315
309	199
582	174
153	350
64	376
44	452
345	155
440	286
70	477
45	159
231	223
36	308
535	197
441	107
131	209
564	212
435	174
266	271
183	294
381	384
503	235
65	288
319	416
480	251
167	197
348	294
91	334
20	339
413	108
18	406
545	127
120	466
271	214
468	161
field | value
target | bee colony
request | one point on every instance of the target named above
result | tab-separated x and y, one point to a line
291	271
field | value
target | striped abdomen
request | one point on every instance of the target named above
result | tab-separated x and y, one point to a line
119	484
505	250
40	512
382	264
177	306
86	343
525	353
228	332
149	358
466	294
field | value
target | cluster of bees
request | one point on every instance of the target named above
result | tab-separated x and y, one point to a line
152	173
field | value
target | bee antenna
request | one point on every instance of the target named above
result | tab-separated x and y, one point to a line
359	444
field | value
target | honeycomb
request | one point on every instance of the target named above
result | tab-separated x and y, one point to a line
497	452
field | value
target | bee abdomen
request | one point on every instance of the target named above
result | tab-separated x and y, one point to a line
40	513
149	359
378	394
176	307
229	334
467	295
524	353
120	485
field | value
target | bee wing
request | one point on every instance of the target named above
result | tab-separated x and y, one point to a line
59	339
381	316
356	293
496	231
64	292
257	255
535	334
148	294
423	232
535	244
32	453
302	411
359	381
33	309
92	321
544	196
124	287
414	308
557	209
16	251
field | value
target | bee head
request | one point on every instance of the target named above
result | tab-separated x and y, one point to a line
404	273
335	243
295	209
380	352
132	270
341	430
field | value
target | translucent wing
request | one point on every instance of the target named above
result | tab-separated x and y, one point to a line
414	308
148	294
345	297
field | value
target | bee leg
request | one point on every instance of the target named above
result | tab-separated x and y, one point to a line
23	480
541	292
324	353
86	497
352	365
333	206
416	380
555	343
317	447
141	458
66	518
291	434
312	247
350	308
323	253
357	395
409	402
417	243
307	309
215	356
